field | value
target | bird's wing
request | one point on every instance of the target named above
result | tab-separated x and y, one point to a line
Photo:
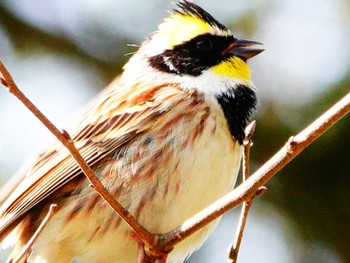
119	116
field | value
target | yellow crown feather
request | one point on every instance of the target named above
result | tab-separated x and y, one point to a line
187	22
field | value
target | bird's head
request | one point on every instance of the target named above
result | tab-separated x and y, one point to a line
190	45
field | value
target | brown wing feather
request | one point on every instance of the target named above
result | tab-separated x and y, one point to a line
120	115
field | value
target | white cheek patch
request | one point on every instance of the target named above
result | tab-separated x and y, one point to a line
170	65
210	83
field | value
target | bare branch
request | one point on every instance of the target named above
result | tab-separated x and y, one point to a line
146	256
246	190
247	143
233	254
27	247
66	140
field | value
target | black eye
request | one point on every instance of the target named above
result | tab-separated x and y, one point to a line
204	44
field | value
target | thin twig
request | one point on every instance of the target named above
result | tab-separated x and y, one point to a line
66	140
27	247
247	143
250	187
233	254
145	256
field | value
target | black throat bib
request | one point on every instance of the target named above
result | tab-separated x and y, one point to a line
238	106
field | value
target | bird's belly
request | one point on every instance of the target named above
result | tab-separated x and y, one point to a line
200	173
207	172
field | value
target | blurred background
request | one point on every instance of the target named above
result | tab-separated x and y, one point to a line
62	53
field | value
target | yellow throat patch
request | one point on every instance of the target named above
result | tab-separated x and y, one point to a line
233	68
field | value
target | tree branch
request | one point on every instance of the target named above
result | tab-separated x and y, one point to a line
26	248
248	189
247	143
65	139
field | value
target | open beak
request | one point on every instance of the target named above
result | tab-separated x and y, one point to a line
243	48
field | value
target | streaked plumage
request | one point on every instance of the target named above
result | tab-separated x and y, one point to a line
165	139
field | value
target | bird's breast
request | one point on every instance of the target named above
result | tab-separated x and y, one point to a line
163	178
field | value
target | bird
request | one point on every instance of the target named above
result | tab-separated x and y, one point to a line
165	139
